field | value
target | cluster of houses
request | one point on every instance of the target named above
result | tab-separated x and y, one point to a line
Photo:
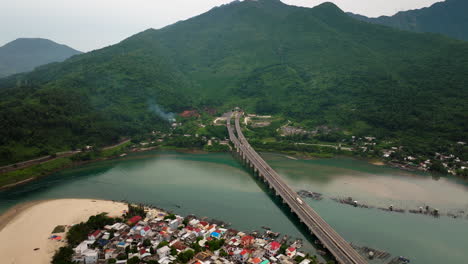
397	157
161	237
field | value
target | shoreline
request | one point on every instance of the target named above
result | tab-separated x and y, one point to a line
291	156
15	211
25	229
81	163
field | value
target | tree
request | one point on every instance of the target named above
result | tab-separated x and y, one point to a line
185	256
63	256
196	247
215	244
283	248
134	260
147	243
170	216
162	244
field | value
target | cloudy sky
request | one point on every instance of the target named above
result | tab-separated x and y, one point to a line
93	24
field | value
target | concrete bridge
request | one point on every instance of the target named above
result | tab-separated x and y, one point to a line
331	240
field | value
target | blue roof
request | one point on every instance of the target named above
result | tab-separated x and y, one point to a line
121	243
215	234
103	242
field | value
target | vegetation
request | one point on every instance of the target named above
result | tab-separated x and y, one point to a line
79	233
51	166
313	66
215	244
135	210
447	18
25	54
185	256
63	256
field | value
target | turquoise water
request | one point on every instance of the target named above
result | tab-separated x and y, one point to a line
216	186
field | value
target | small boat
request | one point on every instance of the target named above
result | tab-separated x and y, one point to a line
266	228
405	260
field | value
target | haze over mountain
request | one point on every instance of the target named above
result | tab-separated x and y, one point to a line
448	18
24	54
316	65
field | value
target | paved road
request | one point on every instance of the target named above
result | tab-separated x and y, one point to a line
339	248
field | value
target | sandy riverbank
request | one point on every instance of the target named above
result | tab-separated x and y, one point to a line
28	226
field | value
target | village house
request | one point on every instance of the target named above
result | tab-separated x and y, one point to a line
95	235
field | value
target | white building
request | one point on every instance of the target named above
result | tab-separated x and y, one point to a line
163	252
90	256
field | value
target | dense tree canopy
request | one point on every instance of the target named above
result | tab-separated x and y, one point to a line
317	66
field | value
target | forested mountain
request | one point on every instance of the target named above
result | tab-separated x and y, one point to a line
25	54
449	18
316	65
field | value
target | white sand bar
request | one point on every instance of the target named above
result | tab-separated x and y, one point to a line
28	227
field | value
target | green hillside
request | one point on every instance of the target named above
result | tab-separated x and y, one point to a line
317	66
449	17
25	54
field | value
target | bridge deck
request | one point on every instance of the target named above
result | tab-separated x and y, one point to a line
339	248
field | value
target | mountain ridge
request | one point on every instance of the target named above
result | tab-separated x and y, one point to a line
316	66
24	54
447	18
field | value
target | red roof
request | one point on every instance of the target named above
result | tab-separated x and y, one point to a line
95	233
197	230
256	260
292	249
135	219
244	252
190	113
275	245
189	228
147	228
247	238
142	251
203	223
179	245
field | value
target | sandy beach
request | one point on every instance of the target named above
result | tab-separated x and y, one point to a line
28	226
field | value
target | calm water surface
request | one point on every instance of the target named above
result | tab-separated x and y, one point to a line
216	186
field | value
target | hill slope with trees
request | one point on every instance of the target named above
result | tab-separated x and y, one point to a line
24	54
448	18
317	66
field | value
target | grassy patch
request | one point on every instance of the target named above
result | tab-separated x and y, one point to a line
115	151
34	171
58	229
